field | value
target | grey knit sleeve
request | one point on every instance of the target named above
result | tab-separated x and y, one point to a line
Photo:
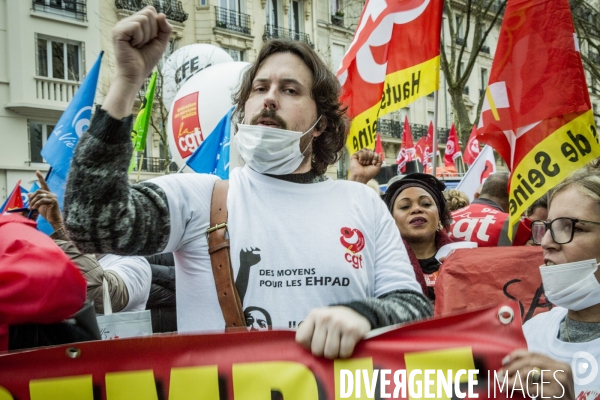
103	212
392	308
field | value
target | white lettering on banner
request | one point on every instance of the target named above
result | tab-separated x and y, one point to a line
191	141
459	230
68	138
370	71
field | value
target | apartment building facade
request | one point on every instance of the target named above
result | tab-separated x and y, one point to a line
52	43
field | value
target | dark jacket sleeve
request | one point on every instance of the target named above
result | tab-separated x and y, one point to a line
104	213
393	308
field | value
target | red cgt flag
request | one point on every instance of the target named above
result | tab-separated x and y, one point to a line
429	141
407	148
392	61
536	112
452	148
14	200
472	150
422	151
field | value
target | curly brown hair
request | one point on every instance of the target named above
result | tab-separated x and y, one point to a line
455	199
325	92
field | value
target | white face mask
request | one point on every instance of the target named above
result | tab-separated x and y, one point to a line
270	150
573	285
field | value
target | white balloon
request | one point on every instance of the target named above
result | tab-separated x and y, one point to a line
185	63
199	106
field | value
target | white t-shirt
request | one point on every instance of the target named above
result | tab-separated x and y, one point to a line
541	333
137	275
291	240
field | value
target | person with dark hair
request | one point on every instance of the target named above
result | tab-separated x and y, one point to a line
485	221
300	247
418	206
538	210
494	192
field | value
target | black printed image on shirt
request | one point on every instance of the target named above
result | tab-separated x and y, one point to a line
248	258
258	319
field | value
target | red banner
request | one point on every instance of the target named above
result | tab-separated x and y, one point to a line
472	149
536	112
269	365
392	61
407	148
186	125
452	148
491	275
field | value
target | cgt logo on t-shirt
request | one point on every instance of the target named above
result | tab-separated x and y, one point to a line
353	241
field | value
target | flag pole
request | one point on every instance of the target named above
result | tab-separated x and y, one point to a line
435	125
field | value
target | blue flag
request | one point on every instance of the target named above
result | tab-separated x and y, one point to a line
24	197
74	121
212	156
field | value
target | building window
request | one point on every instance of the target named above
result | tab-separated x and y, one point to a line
230	16
76	9
59	59
336	6
237	55
460	30
272	14
295	15
39	132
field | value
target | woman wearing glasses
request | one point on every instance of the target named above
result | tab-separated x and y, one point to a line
570	332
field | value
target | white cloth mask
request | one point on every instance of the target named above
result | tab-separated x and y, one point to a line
572	285
270	150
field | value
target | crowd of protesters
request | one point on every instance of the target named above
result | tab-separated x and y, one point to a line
359	260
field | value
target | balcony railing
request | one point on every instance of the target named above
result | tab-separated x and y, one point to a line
388	127
156	165
65	8
55	89
275	32
171	8
232	20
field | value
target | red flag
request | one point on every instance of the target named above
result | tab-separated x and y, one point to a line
472	150
422	151
379	148
14	200
392	61
452	148
536	112
407	148
429	145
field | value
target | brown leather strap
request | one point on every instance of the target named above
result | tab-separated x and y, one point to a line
218	248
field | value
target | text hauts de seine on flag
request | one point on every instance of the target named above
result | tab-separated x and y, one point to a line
392	61
536	112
